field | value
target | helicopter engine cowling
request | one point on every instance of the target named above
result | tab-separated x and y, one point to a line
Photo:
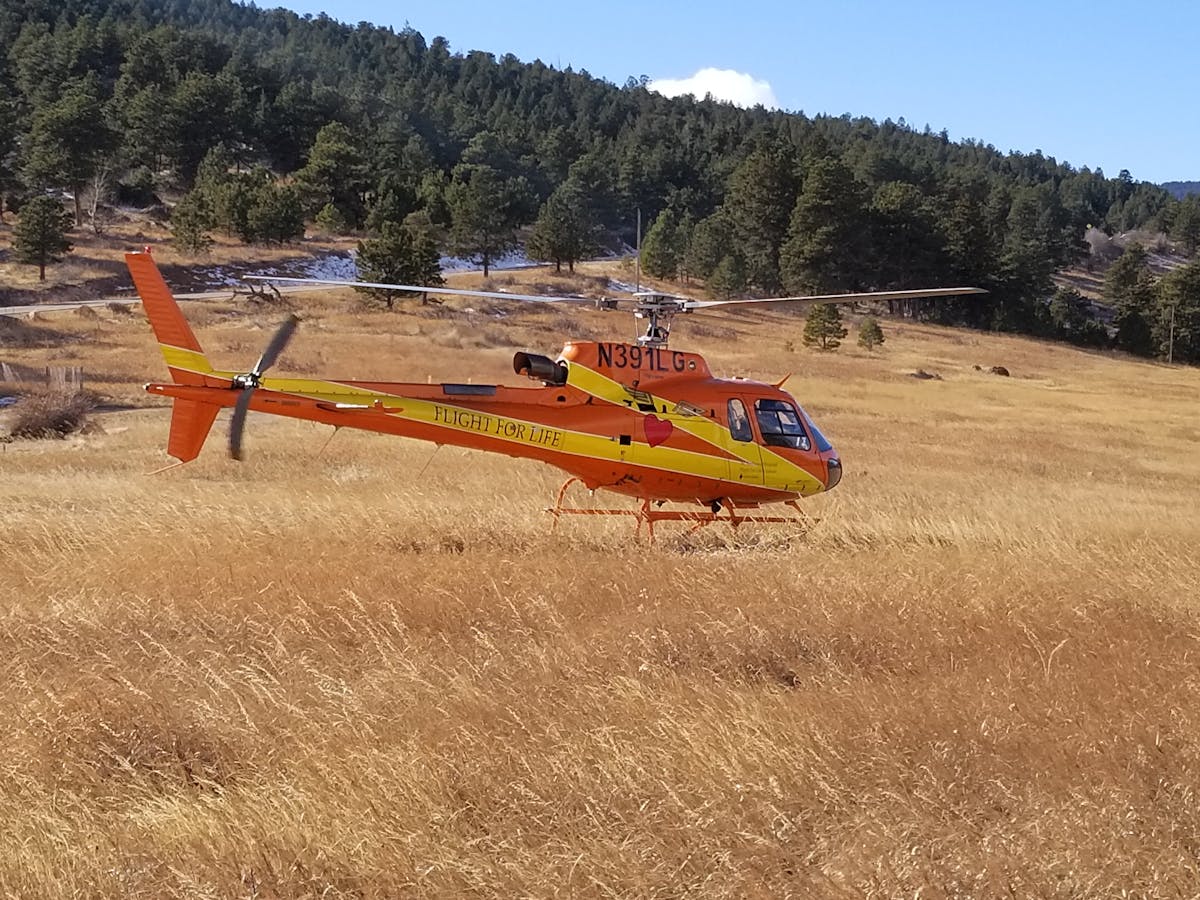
540	368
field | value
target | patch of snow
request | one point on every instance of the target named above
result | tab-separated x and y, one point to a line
332	266
213	277
325	267
513	259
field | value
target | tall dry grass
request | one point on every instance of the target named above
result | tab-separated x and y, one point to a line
373	671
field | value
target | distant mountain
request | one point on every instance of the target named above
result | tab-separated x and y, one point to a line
1181	189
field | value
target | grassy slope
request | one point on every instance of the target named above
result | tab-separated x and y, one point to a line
95	267
348	675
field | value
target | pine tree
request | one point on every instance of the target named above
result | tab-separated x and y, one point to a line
336	173
190	221
1132	321
594	174
1073	320
870	335
728	278
40	235
710	242
8	140
662	255
762	192
564	231
1177	324
823	327
67	139
1129	288
400	254
230	203
215	169
907	250
331	221
824	247
1186	228
202	110
483	225
275	216
395	197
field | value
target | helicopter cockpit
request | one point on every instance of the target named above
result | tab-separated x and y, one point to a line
780	424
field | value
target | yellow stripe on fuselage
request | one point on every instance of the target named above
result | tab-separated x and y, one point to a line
504	428
714	433
534	434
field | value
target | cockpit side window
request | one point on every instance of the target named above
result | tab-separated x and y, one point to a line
781	425
739	422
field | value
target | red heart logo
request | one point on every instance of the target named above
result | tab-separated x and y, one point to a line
657	430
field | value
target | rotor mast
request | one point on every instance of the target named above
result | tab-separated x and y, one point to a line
658	310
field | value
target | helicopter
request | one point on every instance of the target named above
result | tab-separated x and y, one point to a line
640	419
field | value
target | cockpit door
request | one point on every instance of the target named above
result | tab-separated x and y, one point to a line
780	425
746	466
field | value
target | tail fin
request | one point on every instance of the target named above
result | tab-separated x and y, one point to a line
191	419
178	344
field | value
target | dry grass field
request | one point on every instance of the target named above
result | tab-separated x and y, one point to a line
372	670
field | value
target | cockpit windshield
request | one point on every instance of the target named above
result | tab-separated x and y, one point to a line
780	425
822	442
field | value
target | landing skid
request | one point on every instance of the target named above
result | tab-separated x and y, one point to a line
645	514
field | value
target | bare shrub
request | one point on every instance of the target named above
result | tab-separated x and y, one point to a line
451	338
491	336
15	334
299	366
269	297
573	282
238	345
712	331
51	414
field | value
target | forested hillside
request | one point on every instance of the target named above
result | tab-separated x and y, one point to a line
255	122
1181	189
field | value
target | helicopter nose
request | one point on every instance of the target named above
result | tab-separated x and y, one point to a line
834	469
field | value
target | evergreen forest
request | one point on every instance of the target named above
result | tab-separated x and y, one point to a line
255	122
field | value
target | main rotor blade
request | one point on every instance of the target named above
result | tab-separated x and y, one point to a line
278	342
237	424
814	299
418	289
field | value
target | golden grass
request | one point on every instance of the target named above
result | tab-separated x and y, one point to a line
375	672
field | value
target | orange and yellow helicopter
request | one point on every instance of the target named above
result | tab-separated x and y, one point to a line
638	419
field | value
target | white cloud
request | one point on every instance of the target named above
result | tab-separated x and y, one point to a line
737	88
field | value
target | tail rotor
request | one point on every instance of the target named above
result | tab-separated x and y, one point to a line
251	380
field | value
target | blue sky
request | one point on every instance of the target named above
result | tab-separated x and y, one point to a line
1106	84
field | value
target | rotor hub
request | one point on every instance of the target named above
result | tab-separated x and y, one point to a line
658	310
